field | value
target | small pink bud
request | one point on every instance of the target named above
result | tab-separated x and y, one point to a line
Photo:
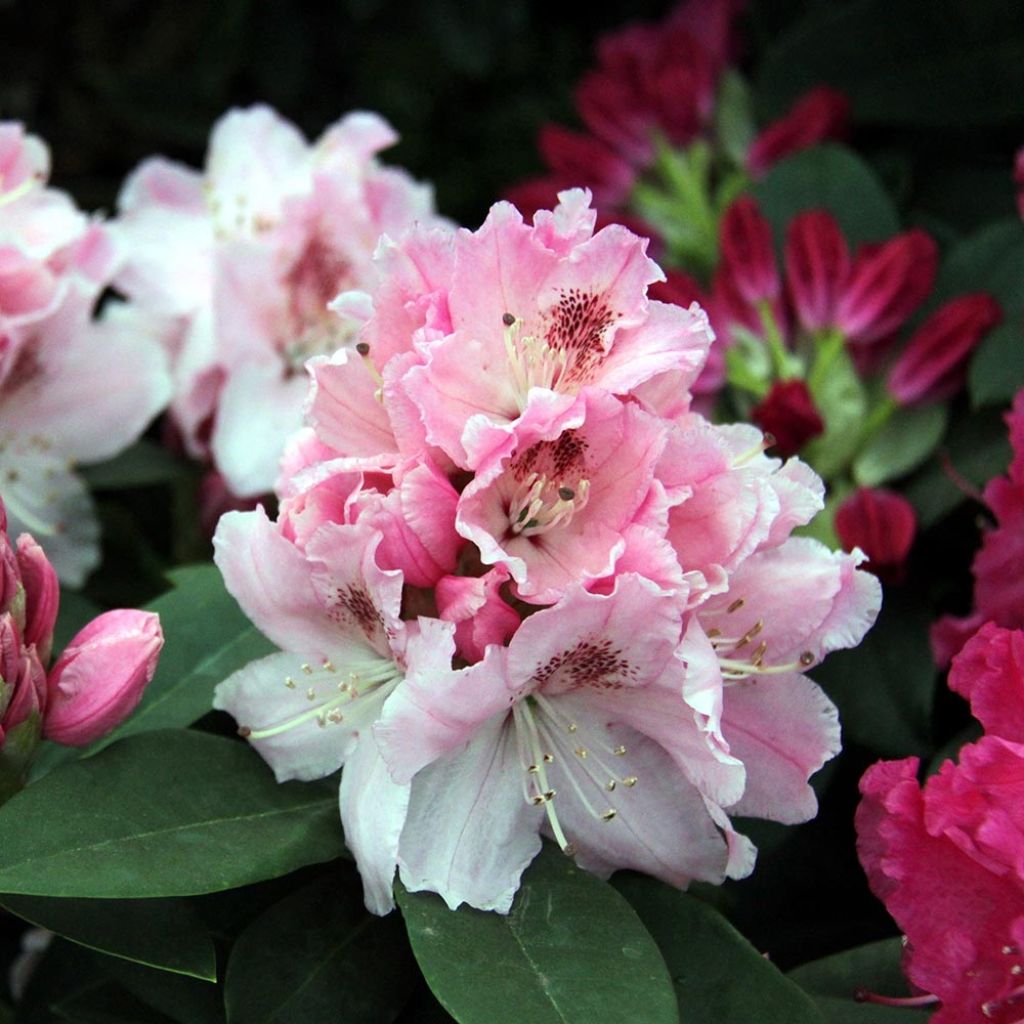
789	415
886	284
883	525
10	656
42	595
28	693
748	254
817	264
934	363
98	680
820	114
12	591
481	616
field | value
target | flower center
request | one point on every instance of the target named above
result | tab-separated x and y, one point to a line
352	697
740	657
551	743
540	505
534	363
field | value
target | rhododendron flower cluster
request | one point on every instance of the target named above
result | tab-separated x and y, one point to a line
945	858
74	388
998	582
521	589
95	682
802	343
653	108
242	259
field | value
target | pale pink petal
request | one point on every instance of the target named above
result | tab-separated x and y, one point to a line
490	833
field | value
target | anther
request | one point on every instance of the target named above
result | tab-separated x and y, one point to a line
569	849
508	319
759	653
289	682
363	348
610	785
307	668
573	727
335	716
619	751
566	493
736	605
629	780
549	795
608	815
533	769
244	731
580	752
806	659
311	694
548	758
328	665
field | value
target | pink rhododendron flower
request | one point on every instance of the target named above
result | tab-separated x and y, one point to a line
523	589
946	858
94	684
882	524
74	389
244	259
998	583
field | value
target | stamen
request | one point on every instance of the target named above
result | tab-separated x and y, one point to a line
736	605
534	510
862	995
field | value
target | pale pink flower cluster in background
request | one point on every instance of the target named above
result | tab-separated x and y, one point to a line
242	258
521	589
93	685
75	388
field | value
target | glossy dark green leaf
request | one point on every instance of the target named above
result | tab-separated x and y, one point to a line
207	637
842	400
144	464
906	440
832	981
179	998
908	62
166	934
974	450
991	260
719	977
571	951
997	369
107	1003
168	813
829	177
885	687
318	955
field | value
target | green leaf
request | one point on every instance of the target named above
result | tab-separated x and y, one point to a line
571	951
318	955
907	439
833	980
144	464
885	688
975	450
207	638
991	260
842	401
166	934
177	997
997	369
833	178
913	62
719	977
734	118
107	1003
169	813
75	611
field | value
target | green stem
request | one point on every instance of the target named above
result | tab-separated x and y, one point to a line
877	418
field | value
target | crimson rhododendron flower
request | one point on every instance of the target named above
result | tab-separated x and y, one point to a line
946	858
242	260
882	524
523	589
820	114
789	414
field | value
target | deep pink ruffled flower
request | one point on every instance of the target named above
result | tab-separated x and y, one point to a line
789	414
886	285
933	364
244	258
817	262
817	116
748	252
947	859
74	388
998	582
883	525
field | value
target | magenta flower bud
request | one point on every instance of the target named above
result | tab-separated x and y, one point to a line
818	115
748	254
886	284
26	695
883	525
12	591
934	363
789	415
10	657
817	265
98	680
42	596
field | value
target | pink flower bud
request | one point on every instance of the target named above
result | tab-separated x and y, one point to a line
98	680
12	591
42	596
882	524
27	695
789	415
818	115
817	264
934	363
10	656
748	254
886	284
